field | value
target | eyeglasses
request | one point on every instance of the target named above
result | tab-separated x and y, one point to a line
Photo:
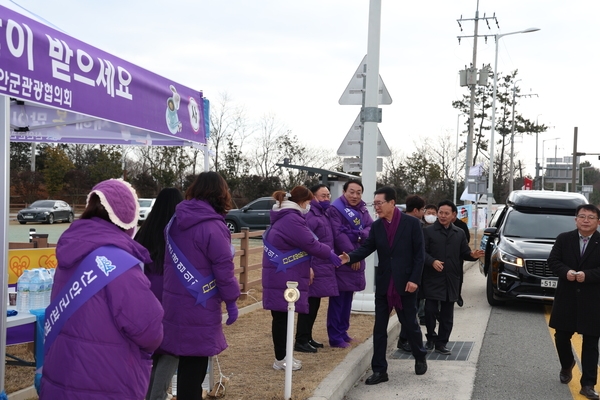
588	217
378	203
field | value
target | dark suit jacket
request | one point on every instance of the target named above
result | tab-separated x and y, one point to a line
403	261
576	305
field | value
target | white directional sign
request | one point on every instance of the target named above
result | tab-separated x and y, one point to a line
353	95
355	164
350	147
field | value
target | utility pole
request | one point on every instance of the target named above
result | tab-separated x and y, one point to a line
512	136
472	82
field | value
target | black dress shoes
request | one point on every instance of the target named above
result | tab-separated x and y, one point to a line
304	348
420	366
315	344
566	374
443	350
429	345
589	392
376	378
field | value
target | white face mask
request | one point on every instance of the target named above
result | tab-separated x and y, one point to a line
306	209
430	219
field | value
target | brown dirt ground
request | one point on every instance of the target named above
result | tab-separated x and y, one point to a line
248	360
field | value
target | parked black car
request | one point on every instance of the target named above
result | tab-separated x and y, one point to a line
519	243
254	215
48	211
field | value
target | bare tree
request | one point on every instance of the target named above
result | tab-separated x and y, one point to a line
228	122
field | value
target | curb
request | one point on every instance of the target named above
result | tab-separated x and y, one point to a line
352	368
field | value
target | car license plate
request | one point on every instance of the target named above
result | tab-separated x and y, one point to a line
28	216
549	283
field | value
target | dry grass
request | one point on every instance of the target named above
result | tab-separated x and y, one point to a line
248	360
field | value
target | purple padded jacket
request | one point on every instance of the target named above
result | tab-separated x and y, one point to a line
288	232
201	234
324	282
104	349
347	278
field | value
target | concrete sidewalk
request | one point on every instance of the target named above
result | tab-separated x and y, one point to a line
445	379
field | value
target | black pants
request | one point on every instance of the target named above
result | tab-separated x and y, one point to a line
190	375
408	319
279	332
307	321
445	317
589	355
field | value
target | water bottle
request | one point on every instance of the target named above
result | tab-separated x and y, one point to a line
36	290
23	291
49	281
174	384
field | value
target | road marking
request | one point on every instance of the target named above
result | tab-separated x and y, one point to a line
576	343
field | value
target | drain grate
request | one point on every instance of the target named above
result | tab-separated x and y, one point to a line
460	352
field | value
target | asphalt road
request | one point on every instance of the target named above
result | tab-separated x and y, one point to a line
20	233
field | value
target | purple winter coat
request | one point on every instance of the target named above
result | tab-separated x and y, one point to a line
288	232
346	241
104	349
324	282
201	234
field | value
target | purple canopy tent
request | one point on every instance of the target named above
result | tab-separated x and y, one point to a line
57	89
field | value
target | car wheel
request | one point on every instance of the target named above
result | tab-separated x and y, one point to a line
489	291
71	218
51	219
232	226
22	222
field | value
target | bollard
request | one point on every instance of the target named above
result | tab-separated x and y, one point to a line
31	233
291	295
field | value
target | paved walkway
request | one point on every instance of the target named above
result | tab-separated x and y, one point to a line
446	378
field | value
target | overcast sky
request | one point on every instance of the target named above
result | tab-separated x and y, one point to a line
295	58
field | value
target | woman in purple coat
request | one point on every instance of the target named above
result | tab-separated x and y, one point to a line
151	236
323	283
289	245
351	224
198	277
103	350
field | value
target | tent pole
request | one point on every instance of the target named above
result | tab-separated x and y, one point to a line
4	201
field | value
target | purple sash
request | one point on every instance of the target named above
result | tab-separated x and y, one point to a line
97	270
283	260
201	288
351	216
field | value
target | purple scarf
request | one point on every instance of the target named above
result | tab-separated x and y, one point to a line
393	298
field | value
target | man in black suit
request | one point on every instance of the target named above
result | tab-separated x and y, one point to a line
575	259
398	239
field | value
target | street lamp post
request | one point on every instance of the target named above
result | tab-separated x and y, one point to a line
490	194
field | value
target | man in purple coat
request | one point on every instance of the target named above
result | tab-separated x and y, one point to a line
350	223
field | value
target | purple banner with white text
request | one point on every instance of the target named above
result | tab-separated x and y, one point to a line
42	65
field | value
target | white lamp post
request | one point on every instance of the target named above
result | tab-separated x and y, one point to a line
490	194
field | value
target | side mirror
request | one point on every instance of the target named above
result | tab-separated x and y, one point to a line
490	231
245	208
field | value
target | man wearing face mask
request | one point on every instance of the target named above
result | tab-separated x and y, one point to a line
323	282
430	214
